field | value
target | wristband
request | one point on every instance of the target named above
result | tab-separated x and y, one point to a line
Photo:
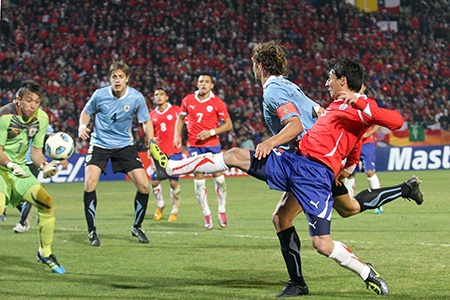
82	126
212	132
41	167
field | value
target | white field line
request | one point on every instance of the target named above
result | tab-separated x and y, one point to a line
246	236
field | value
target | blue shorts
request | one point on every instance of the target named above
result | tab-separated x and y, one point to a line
193	151
367	158
176	156
309	181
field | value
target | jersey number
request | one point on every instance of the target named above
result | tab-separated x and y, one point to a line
163	126
199	117
114	118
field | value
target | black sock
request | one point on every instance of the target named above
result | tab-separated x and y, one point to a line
290	248
24	212
140	208
371	199
90	209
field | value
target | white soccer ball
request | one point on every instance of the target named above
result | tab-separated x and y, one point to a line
59	146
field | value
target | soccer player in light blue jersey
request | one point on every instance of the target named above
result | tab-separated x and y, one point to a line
288	112
114	108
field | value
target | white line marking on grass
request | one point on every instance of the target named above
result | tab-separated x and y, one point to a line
246	236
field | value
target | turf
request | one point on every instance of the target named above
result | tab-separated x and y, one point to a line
408	244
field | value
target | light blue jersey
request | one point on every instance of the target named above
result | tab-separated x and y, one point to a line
282	99
114	117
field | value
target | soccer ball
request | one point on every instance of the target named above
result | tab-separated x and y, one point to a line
59	146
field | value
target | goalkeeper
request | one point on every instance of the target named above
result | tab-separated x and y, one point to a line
21	122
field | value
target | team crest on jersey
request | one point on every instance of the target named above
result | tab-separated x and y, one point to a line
32	131
209	108
126	108
343	106
169	117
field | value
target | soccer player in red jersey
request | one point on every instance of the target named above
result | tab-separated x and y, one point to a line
202	111
164	118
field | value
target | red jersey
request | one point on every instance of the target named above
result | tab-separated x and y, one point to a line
203	115
369	139
337	133
164	125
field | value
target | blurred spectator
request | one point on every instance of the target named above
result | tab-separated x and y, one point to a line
68	46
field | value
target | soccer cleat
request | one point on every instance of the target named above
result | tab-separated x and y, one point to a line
415	193
51	262
160	160
158	213
140	235
379	210
173	218
292	290
208	222
375	282
93	238
223	219
3	217
19	228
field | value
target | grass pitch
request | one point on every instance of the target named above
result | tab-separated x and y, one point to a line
408	244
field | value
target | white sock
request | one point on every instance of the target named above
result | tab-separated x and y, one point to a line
207	163
345	257
350	185
175	195
202	195
374	182
157	192
221	190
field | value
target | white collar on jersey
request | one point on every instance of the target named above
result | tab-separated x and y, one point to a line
112	95
163	111
271	77
211	95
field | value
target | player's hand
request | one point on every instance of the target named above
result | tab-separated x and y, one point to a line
263	149
348	97
83	132
341	176
203	135
50	169
17	170
177	142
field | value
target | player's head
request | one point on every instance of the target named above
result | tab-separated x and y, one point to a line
119	74
160	96
28	98
205	84
269	58
344	74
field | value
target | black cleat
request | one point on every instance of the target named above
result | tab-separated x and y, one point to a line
375	282
160	160
93	238
415	194
293	290
140	235
52	263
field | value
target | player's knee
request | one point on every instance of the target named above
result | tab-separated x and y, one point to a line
281	220
234	156
322	246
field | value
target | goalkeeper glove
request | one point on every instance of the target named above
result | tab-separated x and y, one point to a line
17	170
49	169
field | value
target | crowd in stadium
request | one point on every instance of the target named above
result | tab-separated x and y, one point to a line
68	46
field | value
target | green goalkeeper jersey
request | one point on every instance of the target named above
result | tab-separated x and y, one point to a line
15	133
